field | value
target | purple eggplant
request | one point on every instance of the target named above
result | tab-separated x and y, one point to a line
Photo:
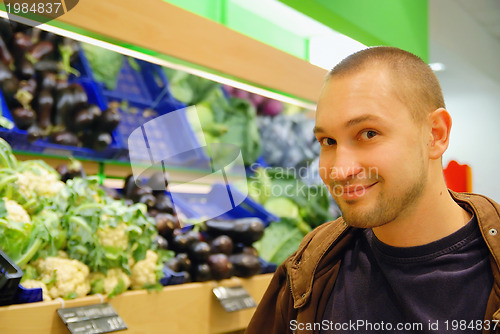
43	105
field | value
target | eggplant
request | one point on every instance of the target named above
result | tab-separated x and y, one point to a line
43	105
166	224
25	69
161	242
5	72
139	191
39	50
72	170
34	132
180	243
164	203
250	250
5	55
64	103
61	82
7	29
193	236
109	120
65	138
46	80
79	95
199	251
23	117
9	89
148	199
244	230
184	262
82	117
21	42
102	141
158	182
220	266
245	265
201	272
174	264
130	185
221	244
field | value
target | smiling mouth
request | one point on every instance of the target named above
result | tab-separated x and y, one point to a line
352	192
357	188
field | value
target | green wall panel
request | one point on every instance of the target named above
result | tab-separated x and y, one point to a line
241	20
211	9
267	32
400	23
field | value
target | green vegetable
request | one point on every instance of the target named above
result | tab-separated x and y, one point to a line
222	120
20	240
92	220
105	64
280	240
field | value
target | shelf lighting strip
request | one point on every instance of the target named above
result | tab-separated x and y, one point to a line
161	62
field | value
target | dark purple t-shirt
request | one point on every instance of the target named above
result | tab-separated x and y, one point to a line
440	287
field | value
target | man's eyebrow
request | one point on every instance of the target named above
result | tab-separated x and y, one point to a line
317	129
360	119
352	122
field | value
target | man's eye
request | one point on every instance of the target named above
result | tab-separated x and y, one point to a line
328	142
369	134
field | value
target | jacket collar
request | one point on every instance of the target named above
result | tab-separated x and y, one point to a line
307	261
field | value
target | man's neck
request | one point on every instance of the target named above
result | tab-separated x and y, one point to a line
435	216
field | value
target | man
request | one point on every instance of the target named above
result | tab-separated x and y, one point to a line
408	255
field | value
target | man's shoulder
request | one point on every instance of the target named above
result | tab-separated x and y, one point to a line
319	240
486	209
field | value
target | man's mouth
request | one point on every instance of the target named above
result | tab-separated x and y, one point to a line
353	191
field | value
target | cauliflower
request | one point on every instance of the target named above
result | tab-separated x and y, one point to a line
64	277
33	284
113	236
16	212
114	282
46	184
144	271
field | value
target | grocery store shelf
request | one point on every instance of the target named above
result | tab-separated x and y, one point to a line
159	27
185	308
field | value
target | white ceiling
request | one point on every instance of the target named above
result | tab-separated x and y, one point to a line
486	13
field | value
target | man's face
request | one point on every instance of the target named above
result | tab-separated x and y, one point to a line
373	153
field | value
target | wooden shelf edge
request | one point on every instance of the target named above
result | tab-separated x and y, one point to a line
185	308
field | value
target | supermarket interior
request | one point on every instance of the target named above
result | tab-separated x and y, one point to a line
158	161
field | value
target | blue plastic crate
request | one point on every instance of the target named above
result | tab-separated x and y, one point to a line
156	140
18	139
196	206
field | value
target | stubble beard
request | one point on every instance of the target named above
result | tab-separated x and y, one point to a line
386	208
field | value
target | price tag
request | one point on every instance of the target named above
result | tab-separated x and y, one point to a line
234	298
92	319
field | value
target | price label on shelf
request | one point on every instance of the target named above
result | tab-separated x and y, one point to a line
234	298
92	319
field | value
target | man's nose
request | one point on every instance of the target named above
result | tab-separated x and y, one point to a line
345	165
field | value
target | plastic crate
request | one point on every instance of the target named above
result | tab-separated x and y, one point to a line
151	138
10	276
196	206
18	139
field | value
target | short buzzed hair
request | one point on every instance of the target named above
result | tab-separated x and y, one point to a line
415	83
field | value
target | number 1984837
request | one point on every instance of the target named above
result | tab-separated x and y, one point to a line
35	8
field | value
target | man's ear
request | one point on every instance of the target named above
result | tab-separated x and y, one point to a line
440	125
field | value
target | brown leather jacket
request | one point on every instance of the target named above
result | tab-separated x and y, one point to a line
301	286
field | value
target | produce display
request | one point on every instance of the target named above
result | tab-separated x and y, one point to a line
77	237
40	90
212	249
